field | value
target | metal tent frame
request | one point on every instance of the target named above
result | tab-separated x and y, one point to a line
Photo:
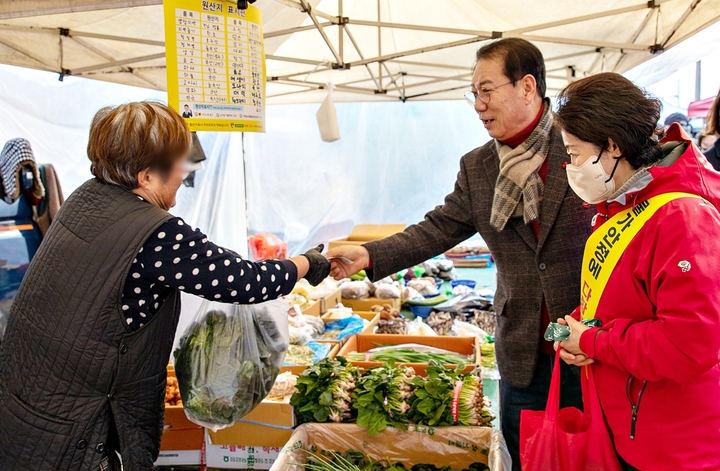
307	47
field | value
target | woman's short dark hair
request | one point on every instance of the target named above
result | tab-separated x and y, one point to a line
608	105
520	58
130	138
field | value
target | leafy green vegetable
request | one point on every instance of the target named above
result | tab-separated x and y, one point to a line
226	365
380	398
324	391
353	460
407	355
449	397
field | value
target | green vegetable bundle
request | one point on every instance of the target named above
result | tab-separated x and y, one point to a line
227	361
353	460
324	391
449	397
407	355
381	398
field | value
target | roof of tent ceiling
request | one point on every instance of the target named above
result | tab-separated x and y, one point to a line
380	50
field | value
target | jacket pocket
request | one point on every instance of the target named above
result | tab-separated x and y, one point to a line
499	303
41	440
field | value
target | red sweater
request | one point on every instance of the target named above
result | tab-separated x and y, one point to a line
660	334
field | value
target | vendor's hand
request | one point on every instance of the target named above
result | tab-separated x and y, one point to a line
358	255
319	265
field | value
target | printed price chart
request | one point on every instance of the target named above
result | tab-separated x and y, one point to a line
215	65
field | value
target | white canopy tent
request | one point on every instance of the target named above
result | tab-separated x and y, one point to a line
369	49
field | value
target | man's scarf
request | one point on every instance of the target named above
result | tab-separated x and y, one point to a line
518	190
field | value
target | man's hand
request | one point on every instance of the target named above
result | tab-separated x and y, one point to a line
574	357
339	269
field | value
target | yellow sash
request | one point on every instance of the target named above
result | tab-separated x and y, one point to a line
607	244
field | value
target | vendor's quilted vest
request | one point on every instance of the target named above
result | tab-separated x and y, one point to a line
75	381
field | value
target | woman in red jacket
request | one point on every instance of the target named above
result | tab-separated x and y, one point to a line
649	274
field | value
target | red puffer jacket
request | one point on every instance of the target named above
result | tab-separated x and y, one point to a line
658	350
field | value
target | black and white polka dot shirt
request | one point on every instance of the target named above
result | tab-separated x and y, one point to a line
178	256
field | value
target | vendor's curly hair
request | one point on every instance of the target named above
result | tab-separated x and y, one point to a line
608	105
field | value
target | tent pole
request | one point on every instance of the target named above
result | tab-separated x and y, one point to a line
420	50
679	22
583	42
245	182
434	29
698	79
592	16
341	44
367	67
46	67
107	65
299	29
430	82
379	37
636	35
320	29
108	57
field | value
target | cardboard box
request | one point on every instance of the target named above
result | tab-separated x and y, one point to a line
179	434
457	447
331	300
365	305
239	457
362	343
365	233
297	370
178	458
314	308
270	424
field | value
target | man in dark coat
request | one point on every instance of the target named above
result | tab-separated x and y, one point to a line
514	192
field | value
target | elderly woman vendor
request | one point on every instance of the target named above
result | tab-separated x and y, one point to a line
83	362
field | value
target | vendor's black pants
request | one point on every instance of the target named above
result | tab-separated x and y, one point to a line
513	400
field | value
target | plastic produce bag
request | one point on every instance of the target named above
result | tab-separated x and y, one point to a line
265	246
387	291
349	326
418	327
228	358
465	305
558	332
327	118
356	290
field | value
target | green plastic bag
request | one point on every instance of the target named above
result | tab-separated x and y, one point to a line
558	332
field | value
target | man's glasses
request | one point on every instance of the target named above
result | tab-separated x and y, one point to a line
482	94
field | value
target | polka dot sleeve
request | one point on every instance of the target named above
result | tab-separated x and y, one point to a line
178	256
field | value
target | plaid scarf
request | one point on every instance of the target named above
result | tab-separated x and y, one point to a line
519	181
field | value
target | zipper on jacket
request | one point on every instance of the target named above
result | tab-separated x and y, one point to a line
635	407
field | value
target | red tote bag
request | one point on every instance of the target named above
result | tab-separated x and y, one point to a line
567	439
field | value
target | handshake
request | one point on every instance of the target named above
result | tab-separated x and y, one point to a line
340	262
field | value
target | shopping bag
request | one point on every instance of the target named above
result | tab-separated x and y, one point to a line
567	439
228	358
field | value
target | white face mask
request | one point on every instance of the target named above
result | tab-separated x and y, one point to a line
588	181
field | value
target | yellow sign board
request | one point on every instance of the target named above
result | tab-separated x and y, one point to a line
215	64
